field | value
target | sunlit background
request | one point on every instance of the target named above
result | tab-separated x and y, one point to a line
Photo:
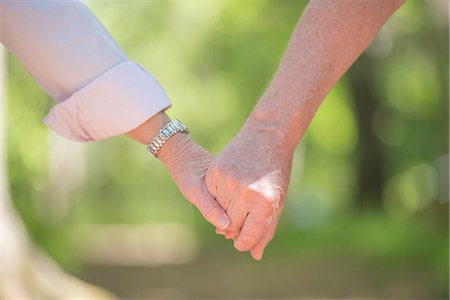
367	210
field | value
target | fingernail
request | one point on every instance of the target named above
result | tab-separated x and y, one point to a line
224	221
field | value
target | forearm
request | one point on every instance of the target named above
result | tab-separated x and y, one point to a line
146	131
328	39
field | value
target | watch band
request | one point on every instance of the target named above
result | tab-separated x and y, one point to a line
164	134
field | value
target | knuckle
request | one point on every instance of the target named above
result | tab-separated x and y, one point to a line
270	195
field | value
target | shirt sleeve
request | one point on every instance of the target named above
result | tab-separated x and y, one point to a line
99	92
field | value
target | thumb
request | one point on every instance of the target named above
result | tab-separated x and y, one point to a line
210	184
211	210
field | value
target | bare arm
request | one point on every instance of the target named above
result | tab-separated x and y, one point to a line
251	176
330	36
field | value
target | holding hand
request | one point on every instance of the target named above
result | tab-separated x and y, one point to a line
188	162
249	179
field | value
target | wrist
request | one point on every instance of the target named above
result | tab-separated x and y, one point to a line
172	152
272	130
179	152
261	136
283	116
146	131
175	151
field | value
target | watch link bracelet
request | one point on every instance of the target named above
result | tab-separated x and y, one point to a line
164	134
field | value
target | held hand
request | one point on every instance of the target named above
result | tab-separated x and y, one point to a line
249	179
188	162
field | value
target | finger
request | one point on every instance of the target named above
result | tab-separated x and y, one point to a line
231	235
222	232
258	251
222	196
237	213
212	211
253	230
210	184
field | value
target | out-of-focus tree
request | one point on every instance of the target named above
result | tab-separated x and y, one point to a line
27	272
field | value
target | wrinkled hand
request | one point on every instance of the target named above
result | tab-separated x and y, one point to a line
188	162
249	179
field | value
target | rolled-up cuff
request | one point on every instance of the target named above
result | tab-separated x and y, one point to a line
114	103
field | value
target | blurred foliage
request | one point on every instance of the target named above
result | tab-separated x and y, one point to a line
214	59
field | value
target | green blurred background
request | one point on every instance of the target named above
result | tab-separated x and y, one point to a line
367	210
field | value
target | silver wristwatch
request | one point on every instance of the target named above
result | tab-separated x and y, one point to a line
164	134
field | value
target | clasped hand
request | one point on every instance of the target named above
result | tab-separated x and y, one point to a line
241	191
